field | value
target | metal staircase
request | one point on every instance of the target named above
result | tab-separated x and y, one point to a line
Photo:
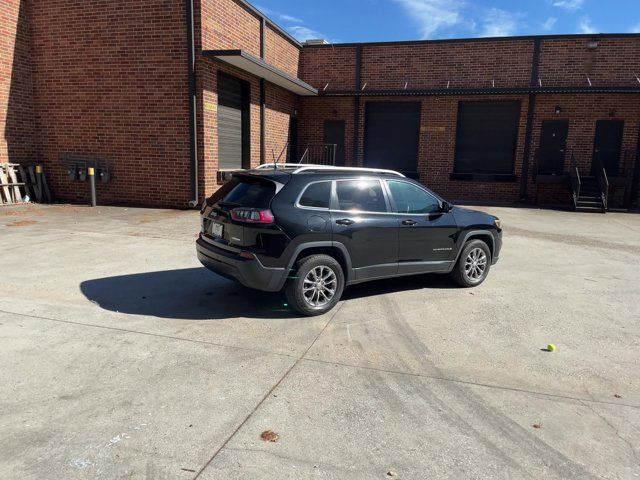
590	198
590	194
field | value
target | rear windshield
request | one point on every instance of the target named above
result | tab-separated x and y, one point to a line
246	192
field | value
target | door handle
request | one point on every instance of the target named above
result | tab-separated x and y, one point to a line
345	221
409	222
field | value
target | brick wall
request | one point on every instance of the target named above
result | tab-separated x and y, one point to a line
281	52
475	64
17	131
582	112
229	24
461	64
568	61
111	81
280	105
329	65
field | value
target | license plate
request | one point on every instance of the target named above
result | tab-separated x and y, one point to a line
216	229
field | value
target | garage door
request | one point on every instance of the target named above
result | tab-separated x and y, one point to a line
392	134
231	122
486	137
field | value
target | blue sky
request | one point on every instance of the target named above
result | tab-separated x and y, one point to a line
381	20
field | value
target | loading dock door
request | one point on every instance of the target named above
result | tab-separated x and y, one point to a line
334	134
486	137
553	145
232	123
607	146
392	135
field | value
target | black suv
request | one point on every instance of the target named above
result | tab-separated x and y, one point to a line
313	230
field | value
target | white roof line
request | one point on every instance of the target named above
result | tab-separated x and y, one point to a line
347	169
305	167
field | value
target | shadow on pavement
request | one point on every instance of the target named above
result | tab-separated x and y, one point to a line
391	285
186	294
197	294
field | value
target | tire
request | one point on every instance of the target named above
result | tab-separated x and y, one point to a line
321	273
469	271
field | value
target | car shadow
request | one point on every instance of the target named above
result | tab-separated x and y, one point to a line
197	294
431	281
185	294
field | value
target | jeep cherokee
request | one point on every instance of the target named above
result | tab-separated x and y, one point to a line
313	230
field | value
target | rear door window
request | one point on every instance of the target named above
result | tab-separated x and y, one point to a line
316	195
361	195
246	192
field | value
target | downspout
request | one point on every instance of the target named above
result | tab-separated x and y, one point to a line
356	107
531	110
263	52
193	120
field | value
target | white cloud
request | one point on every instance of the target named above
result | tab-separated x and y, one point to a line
635	28
289	18
302	33
499	23
568	4
585	26
548	24
433	15
279	16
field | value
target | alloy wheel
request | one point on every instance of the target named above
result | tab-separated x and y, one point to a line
319	286
475	265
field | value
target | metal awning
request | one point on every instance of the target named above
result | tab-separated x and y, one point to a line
258	67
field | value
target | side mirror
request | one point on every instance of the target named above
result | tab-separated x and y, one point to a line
446	207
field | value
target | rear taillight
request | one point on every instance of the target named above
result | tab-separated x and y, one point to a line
252	215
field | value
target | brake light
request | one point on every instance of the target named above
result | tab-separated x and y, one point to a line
252	215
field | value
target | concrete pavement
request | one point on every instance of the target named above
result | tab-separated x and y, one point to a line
123	358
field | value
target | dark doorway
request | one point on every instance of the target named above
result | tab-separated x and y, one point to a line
334	134
294	155
607	146
392	135
233	123
486	137
553	147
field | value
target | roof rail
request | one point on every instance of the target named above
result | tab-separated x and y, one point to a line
272	166
329	168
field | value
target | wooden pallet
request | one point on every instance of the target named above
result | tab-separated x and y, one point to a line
20	184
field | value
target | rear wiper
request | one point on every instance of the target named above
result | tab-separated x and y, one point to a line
227	204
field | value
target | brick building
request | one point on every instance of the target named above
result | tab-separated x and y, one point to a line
170	95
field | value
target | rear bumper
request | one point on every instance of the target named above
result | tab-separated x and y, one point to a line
248	272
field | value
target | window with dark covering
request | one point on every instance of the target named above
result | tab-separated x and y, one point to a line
486	137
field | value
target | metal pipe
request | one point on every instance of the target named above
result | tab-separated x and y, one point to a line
193	112
92	182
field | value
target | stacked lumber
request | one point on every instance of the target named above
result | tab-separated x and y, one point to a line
22	183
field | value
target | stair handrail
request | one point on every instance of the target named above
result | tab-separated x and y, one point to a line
319	153
603	182
576	182
304	155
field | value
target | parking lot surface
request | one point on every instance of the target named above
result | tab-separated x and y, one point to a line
123	358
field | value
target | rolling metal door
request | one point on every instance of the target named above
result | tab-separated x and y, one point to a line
486	137
392	134
230	122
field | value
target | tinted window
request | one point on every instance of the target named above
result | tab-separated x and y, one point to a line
246	193
316	195
410	198
364	195
486	137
